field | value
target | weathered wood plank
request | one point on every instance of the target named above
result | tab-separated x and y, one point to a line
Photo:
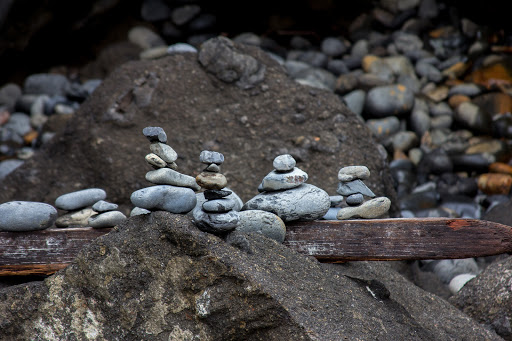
43	251
398	239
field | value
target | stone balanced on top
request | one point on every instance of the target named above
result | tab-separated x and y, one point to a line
174	192
216	214
285	193
352	187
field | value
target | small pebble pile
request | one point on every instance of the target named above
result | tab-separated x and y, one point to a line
216	214
285	193
174	192
352	187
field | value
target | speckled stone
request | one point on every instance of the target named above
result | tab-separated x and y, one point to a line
354	199
19	216
370	209
104	206
263	222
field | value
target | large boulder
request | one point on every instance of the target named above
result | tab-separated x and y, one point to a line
252	114
488	297
158	277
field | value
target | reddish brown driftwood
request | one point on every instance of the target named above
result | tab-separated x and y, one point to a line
44	252
399	239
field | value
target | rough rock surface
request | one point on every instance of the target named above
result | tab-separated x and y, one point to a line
488	297
198	111
157	277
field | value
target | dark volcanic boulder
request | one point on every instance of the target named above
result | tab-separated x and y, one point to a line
488	297
250	117
158	277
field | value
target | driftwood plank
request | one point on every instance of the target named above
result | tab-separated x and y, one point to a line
43	252
398	239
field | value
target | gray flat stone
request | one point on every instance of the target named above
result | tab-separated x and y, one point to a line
218	205
266	223
208	157
165	197
284	163
80	199
18	216
155	134
104	206
353	187
167	176
306	202
164	151
350	173
107	219
275	181
370	209
232	196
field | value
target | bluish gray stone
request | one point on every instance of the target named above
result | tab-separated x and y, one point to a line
336	200
104	206
305	202
218	205
389	100
80	199
284	163
165	197
275	181
7	166
155	134
355	101
164	151
18	216
46	83
106	219
216	223
208	157
138	211
331	213
266	223
354	199
352	187
333	46
181	48
167	176
231	196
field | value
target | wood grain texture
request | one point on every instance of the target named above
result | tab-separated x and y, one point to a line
398	239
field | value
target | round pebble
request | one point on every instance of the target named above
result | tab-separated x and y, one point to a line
210	180
155	134
208	157
284	163
20	216
266	223
216	223
275	181
218	205
80	199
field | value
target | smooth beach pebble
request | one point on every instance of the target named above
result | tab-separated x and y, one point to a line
19	216
106	219
210	180
165	197
266	223
80	199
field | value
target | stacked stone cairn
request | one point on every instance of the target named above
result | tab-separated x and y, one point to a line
352	187
285	193
172	191
87	207
216	215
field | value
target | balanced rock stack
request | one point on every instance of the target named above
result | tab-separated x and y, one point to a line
87	208
285	193
216	214
352	187
174	192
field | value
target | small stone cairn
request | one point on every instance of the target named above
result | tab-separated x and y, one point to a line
285	193
352	187
87	207
216	214
174	192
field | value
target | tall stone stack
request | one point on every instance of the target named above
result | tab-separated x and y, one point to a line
352	187
285	193
173	191
216	215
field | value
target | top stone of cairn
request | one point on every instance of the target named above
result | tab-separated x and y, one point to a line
155	134
209	157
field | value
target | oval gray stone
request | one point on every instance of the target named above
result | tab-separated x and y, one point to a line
350	173
80	199
284	163
165	197
104	206
232	196
266	223
167	176
107	219
354	199
155	134
275	181
389	100
164	151
216	223
19	216
306	202
208	157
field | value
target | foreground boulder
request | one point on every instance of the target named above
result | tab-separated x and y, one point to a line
251	113
158	277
